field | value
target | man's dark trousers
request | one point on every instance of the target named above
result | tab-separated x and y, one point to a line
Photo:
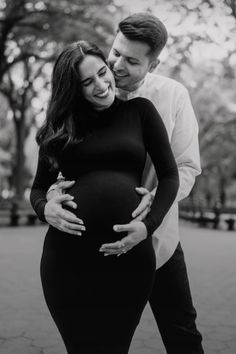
172	306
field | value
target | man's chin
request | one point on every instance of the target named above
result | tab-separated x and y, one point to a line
120	84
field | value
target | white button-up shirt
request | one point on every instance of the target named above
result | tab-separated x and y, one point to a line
172	101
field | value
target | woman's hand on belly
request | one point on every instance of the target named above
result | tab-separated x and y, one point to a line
137	232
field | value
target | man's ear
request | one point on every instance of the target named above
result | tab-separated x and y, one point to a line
153	65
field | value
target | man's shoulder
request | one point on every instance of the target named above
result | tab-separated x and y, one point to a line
161	82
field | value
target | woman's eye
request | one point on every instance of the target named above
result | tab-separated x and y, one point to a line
87	82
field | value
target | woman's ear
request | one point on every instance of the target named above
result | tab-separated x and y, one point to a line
153	65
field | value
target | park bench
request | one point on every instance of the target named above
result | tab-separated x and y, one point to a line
204	221
210	217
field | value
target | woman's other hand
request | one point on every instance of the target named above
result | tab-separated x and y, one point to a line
137	232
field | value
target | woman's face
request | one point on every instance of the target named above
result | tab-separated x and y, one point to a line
97	81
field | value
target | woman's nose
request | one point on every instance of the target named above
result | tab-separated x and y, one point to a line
100	83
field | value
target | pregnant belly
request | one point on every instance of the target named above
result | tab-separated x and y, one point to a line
105	199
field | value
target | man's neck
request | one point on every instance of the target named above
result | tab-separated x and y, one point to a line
132	88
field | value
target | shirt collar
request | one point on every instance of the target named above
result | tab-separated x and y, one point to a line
125	95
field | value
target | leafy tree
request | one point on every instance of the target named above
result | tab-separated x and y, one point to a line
30	36
211	82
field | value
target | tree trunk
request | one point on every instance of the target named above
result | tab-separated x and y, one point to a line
222	186
18	178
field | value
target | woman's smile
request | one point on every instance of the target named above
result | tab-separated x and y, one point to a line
98	83
103	94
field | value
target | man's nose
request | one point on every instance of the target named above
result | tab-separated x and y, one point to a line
119	64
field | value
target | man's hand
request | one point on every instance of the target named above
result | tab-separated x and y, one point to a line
143	208
62	219
58	189
137	232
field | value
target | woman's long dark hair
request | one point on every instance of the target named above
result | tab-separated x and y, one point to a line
66	106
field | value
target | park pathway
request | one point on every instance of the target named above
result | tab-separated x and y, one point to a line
26	326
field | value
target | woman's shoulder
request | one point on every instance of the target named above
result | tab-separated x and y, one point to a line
140	102
145	109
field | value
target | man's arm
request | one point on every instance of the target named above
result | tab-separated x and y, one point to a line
185	147
185	144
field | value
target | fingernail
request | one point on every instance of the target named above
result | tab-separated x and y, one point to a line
115	228
106	254
79	233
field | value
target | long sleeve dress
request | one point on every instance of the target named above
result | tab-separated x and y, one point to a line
96	301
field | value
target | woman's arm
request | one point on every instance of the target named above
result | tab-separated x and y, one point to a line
158	146
44	177
51	211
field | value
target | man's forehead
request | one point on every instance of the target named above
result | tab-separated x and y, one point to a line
129	48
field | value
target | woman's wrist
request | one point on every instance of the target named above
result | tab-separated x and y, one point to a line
147	227
145	231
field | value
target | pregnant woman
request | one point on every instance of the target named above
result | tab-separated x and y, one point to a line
101	143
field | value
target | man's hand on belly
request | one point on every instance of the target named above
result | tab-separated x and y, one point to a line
59	188
62	219
143	208
137	232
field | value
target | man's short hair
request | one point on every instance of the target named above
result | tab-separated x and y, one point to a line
146	28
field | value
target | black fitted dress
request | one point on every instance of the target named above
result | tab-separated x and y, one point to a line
96	301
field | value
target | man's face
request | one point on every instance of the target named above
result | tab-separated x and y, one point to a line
129	62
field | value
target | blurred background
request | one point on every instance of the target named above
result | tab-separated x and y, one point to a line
200	53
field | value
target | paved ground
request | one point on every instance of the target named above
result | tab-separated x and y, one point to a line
25	324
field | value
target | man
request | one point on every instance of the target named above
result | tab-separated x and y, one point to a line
133	58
